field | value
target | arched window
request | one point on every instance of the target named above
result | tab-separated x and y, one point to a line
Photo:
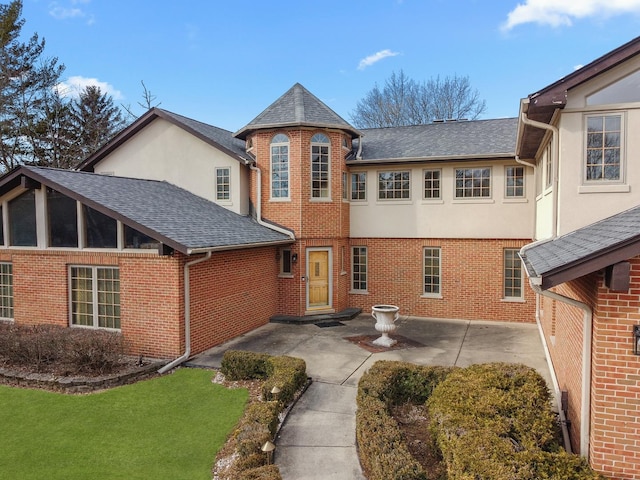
280	166
320	162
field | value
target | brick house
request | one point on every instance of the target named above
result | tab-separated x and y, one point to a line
182	235
177	226
581	134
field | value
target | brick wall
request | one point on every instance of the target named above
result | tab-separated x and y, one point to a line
471	272
615	427
232	293
563	327
615	377
150	291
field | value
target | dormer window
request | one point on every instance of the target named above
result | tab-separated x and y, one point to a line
320	163
280	167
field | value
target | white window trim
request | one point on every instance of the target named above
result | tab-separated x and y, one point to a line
603	184
407	200
12	318
360	201
437	199
223	201
328	197
515	198
426	294
520	298
94	287
280	144
354	290
488	199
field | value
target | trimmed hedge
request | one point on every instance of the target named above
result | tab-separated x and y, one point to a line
494	421
62	350
490	422
383	452
261	419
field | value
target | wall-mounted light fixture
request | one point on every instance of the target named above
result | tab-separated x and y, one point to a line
294	257
636	339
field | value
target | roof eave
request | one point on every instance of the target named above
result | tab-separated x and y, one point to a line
585	265
221	248
433	159
249	129
142	122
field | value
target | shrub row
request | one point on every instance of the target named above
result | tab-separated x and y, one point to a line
494	421
383	452
261	419
71	351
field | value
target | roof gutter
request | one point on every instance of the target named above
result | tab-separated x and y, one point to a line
587	322
555	150
187	315
259	206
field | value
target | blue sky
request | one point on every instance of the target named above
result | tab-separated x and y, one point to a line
223	62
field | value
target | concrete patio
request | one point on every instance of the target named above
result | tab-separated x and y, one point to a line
317	440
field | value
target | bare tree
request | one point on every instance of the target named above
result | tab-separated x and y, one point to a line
148	101
403	101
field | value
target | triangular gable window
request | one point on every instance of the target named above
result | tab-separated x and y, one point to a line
625	90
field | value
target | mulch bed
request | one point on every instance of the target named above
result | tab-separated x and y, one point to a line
366	342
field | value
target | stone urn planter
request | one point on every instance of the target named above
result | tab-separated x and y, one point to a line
386	316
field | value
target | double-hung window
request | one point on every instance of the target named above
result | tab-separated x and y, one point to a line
223	183
432	184
394	185
320	166
359	269
473	182
6	290
512	274
280	167
95	296
604	148
432	277
514	182
359	186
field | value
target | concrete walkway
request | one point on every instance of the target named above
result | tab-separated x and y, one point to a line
317	440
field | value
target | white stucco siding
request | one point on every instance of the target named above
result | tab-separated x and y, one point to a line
582	203
448	217
163	151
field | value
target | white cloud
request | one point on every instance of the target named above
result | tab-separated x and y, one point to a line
63	12
558	13
376	57
74	85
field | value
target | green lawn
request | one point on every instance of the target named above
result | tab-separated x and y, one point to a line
166	428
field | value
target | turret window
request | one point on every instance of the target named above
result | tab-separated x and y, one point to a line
280	167
320	162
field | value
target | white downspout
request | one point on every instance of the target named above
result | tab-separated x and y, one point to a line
259	206
187	316
585	400
555	151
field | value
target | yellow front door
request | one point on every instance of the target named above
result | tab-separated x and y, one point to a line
318	279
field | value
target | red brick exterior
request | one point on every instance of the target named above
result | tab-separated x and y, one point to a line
615	377
152	294
471	272
231	294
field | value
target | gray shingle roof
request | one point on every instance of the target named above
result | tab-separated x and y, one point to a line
163	211
297	107
446	140
215	134
585	244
